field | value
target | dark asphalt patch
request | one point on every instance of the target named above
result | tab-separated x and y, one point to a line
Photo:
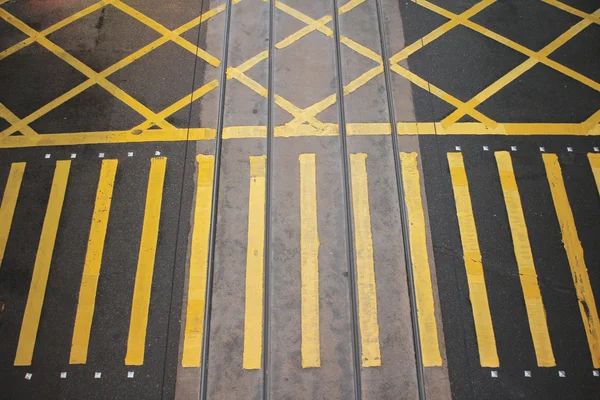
532	24
542	94
581	53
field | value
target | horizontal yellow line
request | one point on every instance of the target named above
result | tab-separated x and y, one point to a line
353	129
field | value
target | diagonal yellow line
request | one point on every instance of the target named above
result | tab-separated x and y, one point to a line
168	33
84	69
572	10
110	70
455	20
540	56
13	119
24	43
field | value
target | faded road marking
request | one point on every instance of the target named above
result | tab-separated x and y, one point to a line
420	259
570	238
309	260
365	265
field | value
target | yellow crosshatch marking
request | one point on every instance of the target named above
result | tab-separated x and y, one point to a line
304	122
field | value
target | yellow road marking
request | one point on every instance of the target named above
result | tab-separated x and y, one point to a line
365	265
136	341
9	202
570	238
430	347
572	10
536	312
354	129
13	119
594	163
41	268
486	340
309	262
194	321
495	87
172	35
253	320
93	263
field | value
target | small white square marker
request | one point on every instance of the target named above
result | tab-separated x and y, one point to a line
513	148
130	374
570	149
98	375
596	373
457	148
527	374
485	148
47	156
130	154
494	374
542	149
157	153
63	375
596	149
28	376
561	374
101	155
73	155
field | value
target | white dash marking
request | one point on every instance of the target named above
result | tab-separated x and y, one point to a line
101	155
542	149
596	149
561	374
130	374
494	374
28	376
485	148
457	148
130	154
570	149
63	375
527	374
596	373
157	153
47	156
73	155
513	148
98	375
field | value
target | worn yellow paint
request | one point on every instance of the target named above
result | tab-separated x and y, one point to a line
41	268
194	320
253	319
93	263
136	341
309	262
430	347
365	264
486	340
536	313
9	202
574	250
594	163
